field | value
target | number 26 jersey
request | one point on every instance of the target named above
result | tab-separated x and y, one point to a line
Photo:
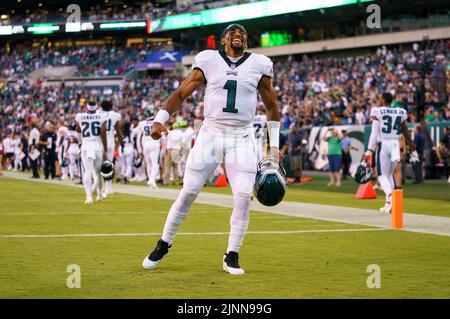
231	86
90	124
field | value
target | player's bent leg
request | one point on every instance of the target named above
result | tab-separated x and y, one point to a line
193	182
199	167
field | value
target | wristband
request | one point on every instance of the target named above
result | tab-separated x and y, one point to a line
162	116
273	128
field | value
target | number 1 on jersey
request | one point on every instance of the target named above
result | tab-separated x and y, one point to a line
230	86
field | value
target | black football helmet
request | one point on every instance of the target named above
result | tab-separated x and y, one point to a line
137	162
107	170
363	173
270	183
65	162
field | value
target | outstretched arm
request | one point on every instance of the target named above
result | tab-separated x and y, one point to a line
173	103
269	98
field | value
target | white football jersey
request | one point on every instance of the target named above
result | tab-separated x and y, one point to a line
90	124
145	127
73	147
128	144
112	118
62	131
259	123
231	87
391	120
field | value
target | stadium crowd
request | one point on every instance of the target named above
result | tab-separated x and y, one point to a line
89	60
312	91
107	11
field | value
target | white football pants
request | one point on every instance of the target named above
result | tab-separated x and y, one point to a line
73	167
151	158
127	165
388	154
234	147
92	160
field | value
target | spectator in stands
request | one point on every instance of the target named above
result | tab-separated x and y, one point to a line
346	156
419	141
283	147
295	138
334	154
8	150
1	153
443	151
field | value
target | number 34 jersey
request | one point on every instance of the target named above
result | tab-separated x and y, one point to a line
90	124
231	86
391	120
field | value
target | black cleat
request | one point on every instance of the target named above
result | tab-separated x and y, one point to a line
152	260
231	263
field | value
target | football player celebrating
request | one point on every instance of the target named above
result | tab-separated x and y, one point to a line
112	129
387	124
92	126
148	149
233	78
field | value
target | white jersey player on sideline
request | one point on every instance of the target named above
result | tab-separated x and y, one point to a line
139	171
233	79
127	153
92	126
62	142
387	125
73	152
112	129
148	149
259	123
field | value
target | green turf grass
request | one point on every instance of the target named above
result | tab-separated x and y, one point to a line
307	265
430	198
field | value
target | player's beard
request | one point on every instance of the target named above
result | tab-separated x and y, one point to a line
237	49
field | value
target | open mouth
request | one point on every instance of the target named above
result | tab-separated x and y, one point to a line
236	41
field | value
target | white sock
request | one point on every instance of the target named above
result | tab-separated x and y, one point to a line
238	222
178	213
385	184
87	183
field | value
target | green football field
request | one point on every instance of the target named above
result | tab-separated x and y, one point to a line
284	257
430	198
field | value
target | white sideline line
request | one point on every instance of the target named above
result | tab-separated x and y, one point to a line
426	224
201	234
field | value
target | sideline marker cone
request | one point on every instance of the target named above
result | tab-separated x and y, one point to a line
397	209
221	181
366	191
